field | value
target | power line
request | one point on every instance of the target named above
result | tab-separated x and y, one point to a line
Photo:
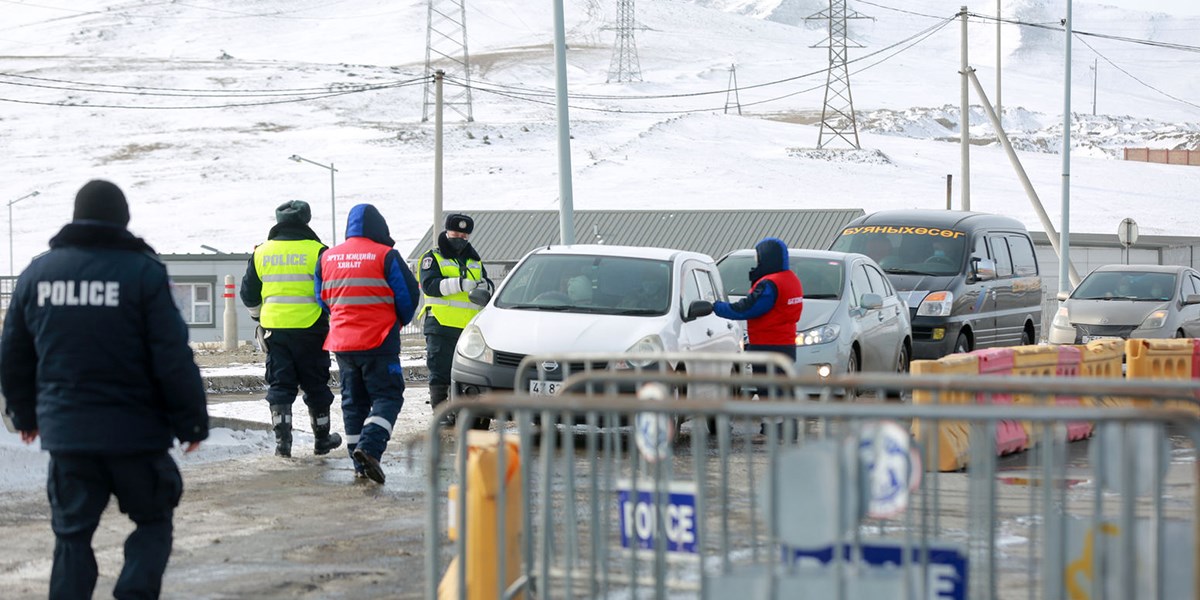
1119	38
81	86
1134	77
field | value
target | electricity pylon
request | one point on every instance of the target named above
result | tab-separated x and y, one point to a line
446	50
624	66
837	114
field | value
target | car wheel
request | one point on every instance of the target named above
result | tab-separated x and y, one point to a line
903	363
852	368
1179	334
1026	338
963	344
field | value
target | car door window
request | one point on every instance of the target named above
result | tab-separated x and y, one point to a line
859	284
878	282
1024	261
691	289
705	286
1004	267
980	250
1195	285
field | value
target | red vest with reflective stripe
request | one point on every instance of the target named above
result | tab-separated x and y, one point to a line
778	326
362	307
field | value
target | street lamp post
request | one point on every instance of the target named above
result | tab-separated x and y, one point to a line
332	196
11	262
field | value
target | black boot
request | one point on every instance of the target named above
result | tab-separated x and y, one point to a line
281	418
438	394
325	441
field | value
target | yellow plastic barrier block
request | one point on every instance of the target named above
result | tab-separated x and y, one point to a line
483	488
1102	359
953	437
954	445
1164	359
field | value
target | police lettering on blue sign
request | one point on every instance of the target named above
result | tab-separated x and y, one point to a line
78	293
947	564
638	515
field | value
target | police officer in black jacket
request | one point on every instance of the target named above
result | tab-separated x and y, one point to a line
278	290
94	358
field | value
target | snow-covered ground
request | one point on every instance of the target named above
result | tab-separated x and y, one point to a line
25	465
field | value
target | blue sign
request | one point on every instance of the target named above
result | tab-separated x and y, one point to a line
947	564
639	516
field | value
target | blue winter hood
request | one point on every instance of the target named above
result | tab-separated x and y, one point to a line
772	255
365	221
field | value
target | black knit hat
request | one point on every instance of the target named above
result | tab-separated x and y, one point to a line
460	222
100	200
293	211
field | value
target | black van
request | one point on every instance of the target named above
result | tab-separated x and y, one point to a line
970	279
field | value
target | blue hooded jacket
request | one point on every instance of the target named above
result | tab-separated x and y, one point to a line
366	221
772	254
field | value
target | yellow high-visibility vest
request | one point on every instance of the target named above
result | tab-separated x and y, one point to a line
287	269
454	310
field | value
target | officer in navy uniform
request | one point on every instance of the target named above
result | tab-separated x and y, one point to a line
95	359
278	290
448	273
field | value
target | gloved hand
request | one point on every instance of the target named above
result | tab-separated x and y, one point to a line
260	336
467	285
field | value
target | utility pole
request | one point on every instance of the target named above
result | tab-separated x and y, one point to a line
999	110
1095	80
446	45
837	113
566	197
1064	263
733	88
624	66
437	151
964	133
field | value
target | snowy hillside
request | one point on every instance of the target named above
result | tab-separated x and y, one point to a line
194	107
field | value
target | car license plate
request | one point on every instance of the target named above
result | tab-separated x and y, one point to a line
1093	338
544	388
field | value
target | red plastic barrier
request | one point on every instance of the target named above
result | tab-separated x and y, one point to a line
1010	435
1070	359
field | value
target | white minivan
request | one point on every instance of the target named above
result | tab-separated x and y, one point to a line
592	298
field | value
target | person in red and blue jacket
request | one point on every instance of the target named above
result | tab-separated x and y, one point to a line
773	306
370	294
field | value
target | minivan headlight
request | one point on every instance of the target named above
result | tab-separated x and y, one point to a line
818	335
1062	319
651	344
1156	319
472	345
937	304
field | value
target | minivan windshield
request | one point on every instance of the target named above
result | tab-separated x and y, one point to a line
1126	285
582	283
907	250
821	277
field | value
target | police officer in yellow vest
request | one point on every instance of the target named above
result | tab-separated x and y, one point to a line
448	274
278	290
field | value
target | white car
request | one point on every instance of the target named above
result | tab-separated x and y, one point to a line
592	298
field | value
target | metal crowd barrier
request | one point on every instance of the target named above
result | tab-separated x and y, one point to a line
601	496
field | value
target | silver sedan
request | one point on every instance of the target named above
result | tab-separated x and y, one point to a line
853	319
1130	301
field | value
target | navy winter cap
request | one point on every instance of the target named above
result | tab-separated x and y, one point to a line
460	222
100	200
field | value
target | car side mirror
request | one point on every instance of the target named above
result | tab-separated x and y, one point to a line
697	309
1192	299
984	269
871	301
1063	296
480	296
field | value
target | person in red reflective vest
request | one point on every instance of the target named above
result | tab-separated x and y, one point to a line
773	306
370	294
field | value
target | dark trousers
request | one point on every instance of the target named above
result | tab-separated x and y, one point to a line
147	487
788	350
439	354
372	395
296	361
